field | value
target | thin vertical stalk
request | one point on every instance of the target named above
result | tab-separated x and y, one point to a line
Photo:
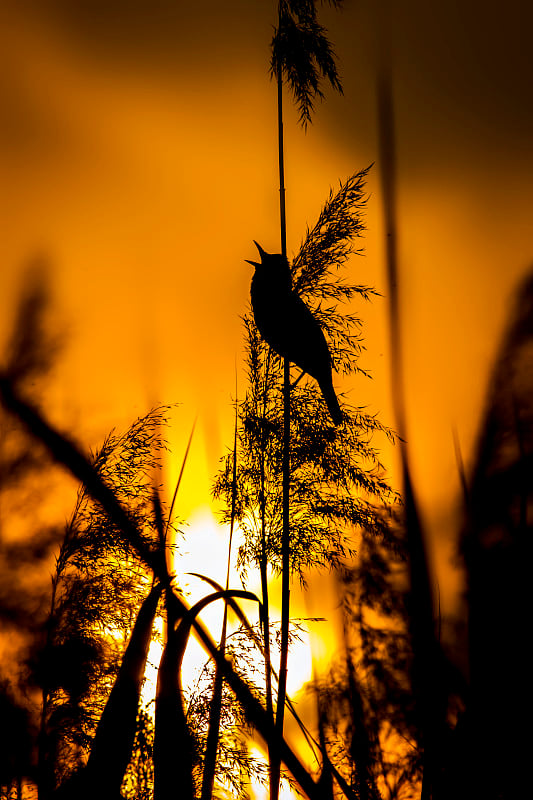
281	164
263	563
285	542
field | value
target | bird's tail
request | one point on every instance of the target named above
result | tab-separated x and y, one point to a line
330	397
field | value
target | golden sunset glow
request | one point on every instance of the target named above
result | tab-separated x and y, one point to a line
138	162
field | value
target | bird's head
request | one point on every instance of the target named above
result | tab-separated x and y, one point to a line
272	267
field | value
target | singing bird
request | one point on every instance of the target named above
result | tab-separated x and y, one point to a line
287	324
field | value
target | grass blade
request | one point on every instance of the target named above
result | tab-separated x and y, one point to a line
180	476
113	742
173	742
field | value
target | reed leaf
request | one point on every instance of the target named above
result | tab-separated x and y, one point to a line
235	607
113	743
174	752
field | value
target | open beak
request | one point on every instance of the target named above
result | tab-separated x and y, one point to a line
261	253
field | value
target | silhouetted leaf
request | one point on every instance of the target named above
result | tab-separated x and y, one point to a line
112	745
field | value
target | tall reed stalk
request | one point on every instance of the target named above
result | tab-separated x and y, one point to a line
285	540
301	54
263	567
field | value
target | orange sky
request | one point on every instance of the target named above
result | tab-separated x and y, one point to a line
138	155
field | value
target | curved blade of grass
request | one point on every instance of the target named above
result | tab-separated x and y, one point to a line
226	594
235	607
112	745
180	476
312	742
173	746
173	742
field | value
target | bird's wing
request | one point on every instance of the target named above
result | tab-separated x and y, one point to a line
306	344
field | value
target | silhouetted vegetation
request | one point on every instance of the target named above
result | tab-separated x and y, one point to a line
336	478
497	548
92	696
114	548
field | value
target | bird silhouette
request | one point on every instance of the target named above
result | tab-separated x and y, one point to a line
287	324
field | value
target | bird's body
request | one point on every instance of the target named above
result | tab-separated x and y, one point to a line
289	327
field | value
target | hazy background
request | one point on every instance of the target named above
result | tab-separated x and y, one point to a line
138	159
